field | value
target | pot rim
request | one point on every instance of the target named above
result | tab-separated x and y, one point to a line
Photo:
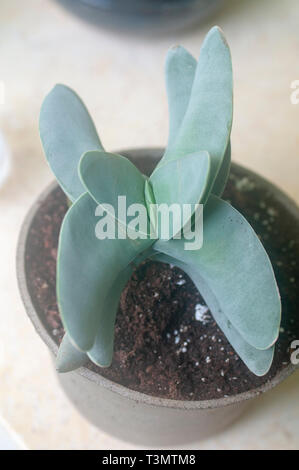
95	377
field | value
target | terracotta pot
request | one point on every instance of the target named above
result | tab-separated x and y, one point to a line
131	415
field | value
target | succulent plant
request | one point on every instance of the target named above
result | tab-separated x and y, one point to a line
231	270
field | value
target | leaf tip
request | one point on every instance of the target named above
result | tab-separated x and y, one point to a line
217	32
177	52
104	364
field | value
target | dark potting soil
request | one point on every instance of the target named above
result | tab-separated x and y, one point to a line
167	343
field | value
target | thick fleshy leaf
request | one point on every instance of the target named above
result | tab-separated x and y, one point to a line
180	70
208	119
102	350
223	174
87	268
66	131
234	265
106	176
258	361
69	357
181	181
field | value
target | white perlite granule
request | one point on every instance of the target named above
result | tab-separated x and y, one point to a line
177	339
201	313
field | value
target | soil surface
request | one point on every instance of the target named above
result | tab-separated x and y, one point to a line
167	343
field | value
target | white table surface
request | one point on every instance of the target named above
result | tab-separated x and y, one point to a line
121	80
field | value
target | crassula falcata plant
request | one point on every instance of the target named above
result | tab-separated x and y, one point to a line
231	270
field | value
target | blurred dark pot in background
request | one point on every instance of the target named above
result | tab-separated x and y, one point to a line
142	15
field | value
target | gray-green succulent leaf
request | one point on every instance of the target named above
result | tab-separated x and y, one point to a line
222	175
180	68
66	131
258	361
180	182
102	351
113	180
87	268
69	357
202	106
234	265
